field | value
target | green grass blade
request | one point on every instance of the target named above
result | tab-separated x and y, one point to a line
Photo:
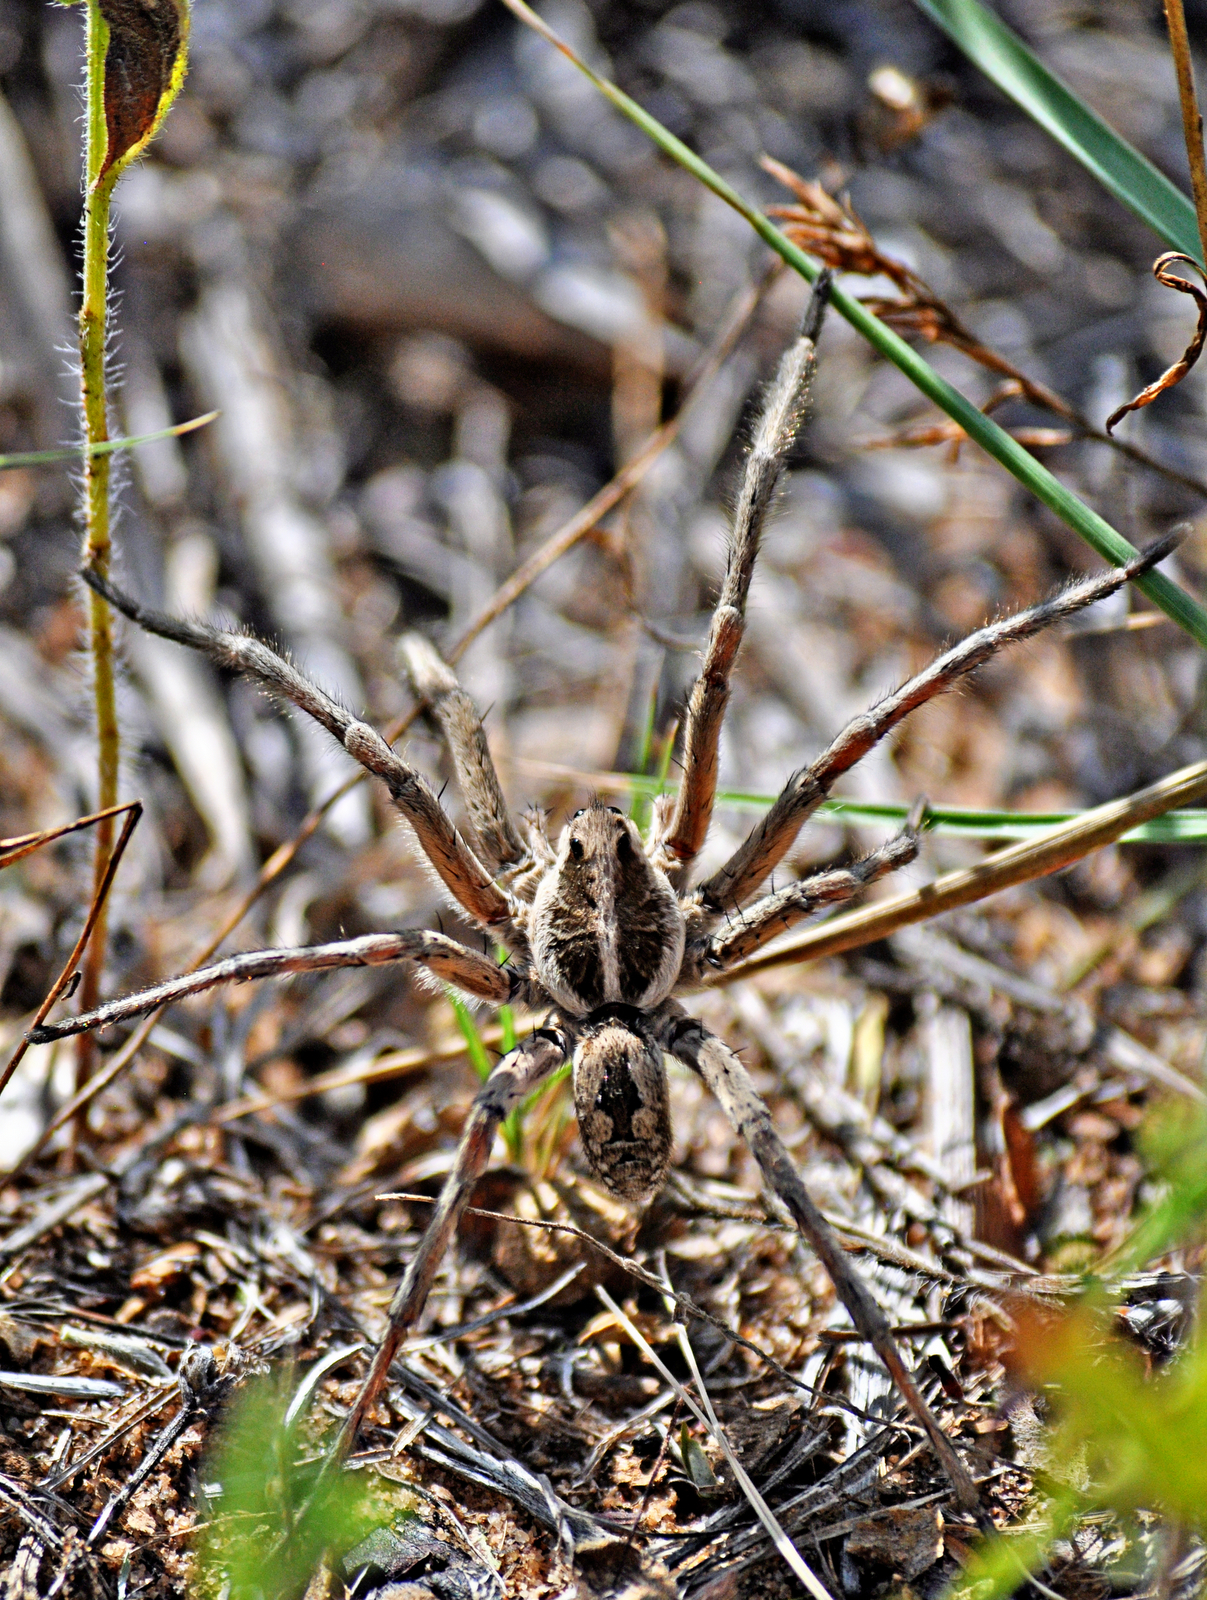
41	458
1131	178
1175	827
1095	530
639	808
474	1047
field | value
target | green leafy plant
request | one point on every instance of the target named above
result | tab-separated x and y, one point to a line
1016	70
267	1523
1136	1440
1186	826
475	1047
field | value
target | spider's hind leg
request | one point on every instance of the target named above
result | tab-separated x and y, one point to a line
513	1079
433	682
729	1082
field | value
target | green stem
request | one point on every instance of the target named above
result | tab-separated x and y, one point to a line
1095	530
94	406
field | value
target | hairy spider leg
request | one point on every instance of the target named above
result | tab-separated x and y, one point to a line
433	683
783	408
520	1072
478	975
470	883
731	1085
776	912
768	842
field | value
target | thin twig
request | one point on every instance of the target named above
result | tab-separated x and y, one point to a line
199	1383
708	1419
83	1098
23	844
834	232
95	911
740	311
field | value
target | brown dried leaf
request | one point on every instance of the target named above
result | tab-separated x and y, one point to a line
531	1259
142	66
909	1539
1175	374
154	1276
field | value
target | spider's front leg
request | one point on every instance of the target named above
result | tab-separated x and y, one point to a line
433	683
690	1042
515	1077
465	877
682	837
767	844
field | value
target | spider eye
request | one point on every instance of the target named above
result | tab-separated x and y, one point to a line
616	811
576	815
576	849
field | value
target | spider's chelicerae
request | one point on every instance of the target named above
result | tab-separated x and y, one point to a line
605	929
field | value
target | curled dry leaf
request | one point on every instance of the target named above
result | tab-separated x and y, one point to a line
144	67
1175	374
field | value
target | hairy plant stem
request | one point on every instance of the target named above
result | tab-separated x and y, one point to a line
1192	117
98	191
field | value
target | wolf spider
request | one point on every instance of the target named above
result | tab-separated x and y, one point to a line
604	929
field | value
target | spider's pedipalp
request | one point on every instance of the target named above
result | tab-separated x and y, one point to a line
477	975
731	1085
515	1077
433	682
774	434
761	922
459	869
767	843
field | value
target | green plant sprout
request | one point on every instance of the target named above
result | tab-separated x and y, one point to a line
104	447
1136	1441
265	1528
1186	826
512	1127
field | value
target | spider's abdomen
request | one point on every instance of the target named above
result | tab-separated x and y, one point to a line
622	1104
606	926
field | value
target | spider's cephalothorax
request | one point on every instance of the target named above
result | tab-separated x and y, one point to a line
605	932
606	926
